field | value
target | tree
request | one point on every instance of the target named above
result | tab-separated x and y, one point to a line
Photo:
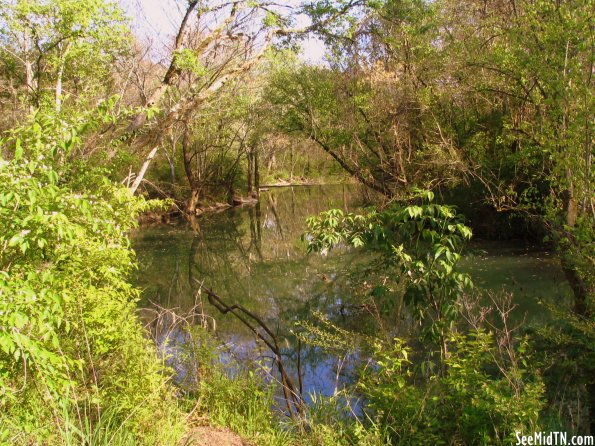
374	109
528	69
495	96
218	43
58	41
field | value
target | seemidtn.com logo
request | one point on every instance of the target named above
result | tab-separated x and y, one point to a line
554	439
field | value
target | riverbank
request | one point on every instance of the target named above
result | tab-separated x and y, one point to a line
208	207
301	181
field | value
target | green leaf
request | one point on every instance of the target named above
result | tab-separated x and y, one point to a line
18	151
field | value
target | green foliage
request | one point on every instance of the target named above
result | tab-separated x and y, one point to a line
480	390
73	42
270	20
422	242
243	404
481	400
417	93
69	337
337	17
566	349
487	388
108	430
326	335
187	60
497	99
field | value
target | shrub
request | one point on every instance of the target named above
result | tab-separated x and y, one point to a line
482	399
71	347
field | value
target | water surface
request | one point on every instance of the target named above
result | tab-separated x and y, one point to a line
254	256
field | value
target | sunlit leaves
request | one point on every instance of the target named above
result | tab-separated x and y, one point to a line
270	19
64	260
71	40
475	397
186	59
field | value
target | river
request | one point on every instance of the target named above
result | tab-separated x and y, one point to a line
254	256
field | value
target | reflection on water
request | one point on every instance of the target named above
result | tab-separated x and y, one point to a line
254	256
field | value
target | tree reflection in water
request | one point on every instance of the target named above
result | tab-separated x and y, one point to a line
254	256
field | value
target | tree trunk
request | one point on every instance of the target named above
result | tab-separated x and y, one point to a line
172	170
577	283
143	170
63	52
250	157
194	200
170	75
59	88
290	163
256	174
30	81
171	160
579	288
195	192
365	178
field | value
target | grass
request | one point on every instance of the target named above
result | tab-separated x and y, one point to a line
107	430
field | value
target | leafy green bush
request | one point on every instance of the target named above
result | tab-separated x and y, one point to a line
478	390
566	348
70	342
421	244
482	399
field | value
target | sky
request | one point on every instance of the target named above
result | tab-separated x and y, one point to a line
158	20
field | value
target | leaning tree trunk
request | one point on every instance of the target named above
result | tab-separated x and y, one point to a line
143	170
577	283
